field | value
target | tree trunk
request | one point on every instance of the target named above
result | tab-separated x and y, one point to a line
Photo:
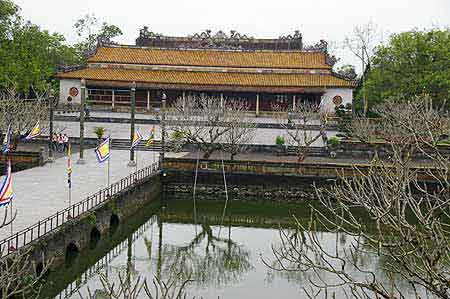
301	156
15	142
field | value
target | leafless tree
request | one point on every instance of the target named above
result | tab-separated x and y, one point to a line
7	221
362	44
198	120
296	126
128	288
19	275
22	114
405	224
240	133
207	121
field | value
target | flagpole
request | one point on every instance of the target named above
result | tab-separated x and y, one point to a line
11	200
12	216
69	166
136	157
109	159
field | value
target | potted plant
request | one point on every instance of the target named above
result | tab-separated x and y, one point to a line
279	141
333	144
100	132
177	140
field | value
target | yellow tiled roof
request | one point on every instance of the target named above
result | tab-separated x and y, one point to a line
211	58
208	78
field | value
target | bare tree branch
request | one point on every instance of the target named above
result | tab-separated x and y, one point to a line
406	220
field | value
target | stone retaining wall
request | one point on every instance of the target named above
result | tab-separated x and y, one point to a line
248	192
78	232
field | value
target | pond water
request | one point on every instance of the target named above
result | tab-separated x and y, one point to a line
169	241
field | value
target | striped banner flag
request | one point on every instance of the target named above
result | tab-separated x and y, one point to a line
136	139
7	141
69	168
35	132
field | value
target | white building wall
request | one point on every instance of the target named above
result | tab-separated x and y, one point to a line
326	102
64	91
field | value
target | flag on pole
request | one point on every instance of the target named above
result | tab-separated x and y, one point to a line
151	138
103	151
7	140
36	131
136	139
6	191
69	168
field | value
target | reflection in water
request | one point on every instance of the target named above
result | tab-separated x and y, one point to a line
207	259
101	265
230	265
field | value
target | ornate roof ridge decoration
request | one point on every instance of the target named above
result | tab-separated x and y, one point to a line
322	46
347	77
297	36
145	33
220	40
102	41
331	59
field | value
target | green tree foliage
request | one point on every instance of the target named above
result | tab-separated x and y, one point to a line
91	32
30	56
8	17
411	63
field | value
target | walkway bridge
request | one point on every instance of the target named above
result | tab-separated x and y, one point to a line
75	286
76	211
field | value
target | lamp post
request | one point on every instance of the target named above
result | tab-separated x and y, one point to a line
51	102
82	114
365	105
132	129
163	128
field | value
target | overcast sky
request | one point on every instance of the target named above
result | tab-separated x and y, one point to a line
316	19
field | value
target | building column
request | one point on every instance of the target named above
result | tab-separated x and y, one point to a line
132	162
148	99
113	99
221	100
257	104
82	116
184	99
293	103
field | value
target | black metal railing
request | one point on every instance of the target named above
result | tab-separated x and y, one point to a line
49	224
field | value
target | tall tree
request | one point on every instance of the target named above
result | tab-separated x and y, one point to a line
30	56
412	63
362	43
91	32
388	211
9	15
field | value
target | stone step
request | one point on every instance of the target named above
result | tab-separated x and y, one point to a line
124	144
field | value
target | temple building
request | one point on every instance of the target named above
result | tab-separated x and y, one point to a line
263	72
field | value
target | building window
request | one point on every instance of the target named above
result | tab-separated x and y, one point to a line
281	98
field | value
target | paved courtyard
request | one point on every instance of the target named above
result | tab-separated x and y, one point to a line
42	191
122	131
106	114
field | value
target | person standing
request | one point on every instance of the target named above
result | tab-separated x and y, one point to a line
55	142
60	143
65	142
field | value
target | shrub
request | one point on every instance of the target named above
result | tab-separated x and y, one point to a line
279	140
177	135
99	131
334	142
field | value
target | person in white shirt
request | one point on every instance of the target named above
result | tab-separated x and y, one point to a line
65	142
